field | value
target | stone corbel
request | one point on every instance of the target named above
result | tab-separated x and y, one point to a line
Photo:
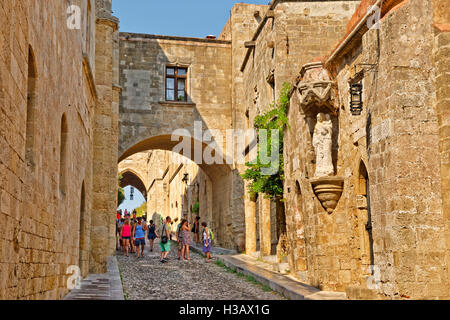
316	89
329	191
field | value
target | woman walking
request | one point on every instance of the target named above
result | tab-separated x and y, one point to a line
206	241
139	234
126	235
196	229
179	235
186	240
151	234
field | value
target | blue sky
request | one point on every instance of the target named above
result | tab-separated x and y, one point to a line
130	205
185	18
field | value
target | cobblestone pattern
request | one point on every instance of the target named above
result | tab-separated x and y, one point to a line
148	279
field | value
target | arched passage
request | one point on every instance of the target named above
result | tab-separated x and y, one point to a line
227	211
131	178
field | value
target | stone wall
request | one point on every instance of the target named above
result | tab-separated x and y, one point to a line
47	120
290	34
441	64
386	237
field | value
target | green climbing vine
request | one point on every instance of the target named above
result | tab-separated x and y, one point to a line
276	118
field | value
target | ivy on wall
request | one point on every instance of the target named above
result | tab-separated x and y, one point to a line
276	118
196	207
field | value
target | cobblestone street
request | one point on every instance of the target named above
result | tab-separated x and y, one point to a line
149	279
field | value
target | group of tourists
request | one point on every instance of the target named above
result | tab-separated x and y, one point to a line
131	233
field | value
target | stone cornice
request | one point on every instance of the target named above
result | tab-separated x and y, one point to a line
176	104
142	37
111	21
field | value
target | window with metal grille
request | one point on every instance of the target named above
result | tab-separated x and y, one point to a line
176	84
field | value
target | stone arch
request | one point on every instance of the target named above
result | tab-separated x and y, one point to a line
224	219
132	178
31	108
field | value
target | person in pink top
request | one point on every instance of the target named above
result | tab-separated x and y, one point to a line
126	236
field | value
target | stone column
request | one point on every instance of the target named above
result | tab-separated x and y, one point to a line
238	211
264	226
441	61
250	223
105	136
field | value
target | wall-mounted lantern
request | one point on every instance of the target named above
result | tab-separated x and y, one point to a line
185	178
356	102
131	193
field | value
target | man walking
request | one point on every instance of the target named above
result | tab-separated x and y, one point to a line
164	242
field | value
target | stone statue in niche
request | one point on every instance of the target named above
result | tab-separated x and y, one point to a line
322	142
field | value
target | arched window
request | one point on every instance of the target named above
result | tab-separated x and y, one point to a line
83	241
63	155
364	208
31	109
363	180
298	194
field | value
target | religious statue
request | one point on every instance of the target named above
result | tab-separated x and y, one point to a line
322	143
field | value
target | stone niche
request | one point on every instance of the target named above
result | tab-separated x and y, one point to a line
317	99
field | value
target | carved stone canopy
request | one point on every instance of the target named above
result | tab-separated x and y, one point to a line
315	88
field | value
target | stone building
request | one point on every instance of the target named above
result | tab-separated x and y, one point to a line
365	207
58	112
289	34
366	190
376	224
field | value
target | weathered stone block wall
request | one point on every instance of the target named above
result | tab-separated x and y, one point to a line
144	111
396	139
401	146
41	227
298	33
105	140
441	64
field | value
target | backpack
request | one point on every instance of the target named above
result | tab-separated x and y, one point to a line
164	238
211	235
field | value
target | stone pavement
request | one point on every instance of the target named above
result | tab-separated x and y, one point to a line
286	285
106	286
149	279
263	271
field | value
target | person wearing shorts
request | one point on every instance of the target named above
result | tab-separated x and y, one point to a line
139	235
126	236
165	247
